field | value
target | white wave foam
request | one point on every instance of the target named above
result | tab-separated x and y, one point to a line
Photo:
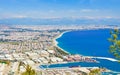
111	59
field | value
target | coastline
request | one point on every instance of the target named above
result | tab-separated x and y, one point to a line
55	43
61	34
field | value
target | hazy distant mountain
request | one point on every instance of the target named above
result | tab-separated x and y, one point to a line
2	26
59	21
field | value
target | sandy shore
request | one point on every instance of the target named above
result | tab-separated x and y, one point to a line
56	43
61	34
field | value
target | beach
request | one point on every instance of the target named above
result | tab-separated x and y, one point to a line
55	43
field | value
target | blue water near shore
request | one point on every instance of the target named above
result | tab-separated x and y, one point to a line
88	43
114	66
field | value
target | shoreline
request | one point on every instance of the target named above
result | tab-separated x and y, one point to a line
61	34
56	43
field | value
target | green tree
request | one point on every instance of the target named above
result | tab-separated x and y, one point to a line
29	70
95	72
115	43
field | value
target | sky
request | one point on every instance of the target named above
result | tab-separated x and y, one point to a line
93	9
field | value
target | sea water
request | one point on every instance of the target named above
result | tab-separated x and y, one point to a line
90	43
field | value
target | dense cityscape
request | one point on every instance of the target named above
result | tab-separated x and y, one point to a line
35	46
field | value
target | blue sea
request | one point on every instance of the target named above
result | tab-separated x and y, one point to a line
88	43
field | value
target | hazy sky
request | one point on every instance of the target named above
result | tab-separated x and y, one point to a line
60	9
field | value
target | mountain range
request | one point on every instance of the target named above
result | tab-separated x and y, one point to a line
59	21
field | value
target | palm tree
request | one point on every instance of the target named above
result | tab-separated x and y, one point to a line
29	70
